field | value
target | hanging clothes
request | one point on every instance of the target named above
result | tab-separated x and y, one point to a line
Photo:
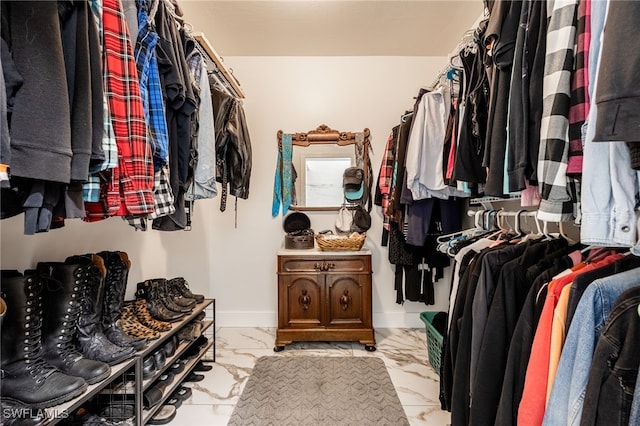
500	37
283	180
614	368
472	129
596	301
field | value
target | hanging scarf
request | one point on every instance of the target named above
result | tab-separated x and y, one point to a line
283	182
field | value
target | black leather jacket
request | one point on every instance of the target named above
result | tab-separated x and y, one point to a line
233	145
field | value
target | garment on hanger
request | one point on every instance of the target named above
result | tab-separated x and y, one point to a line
501	36
602	288
385	178
283	181
615	366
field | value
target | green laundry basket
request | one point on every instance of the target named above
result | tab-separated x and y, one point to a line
434	340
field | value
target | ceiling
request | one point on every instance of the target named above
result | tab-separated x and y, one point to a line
332	28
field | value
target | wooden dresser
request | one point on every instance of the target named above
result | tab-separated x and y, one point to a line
324	296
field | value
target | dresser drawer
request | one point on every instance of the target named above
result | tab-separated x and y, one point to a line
324	264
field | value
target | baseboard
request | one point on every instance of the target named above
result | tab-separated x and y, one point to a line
270	319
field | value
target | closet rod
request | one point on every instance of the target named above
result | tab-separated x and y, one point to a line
507	213
218	61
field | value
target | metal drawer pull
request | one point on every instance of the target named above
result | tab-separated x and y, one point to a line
324	266
345	300
304	300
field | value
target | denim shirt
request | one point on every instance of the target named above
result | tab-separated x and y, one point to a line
609	184
204	178
567	394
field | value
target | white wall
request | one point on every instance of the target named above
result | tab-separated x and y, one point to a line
237	265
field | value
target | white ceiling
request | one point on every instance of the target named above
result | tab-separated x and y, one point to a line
332	28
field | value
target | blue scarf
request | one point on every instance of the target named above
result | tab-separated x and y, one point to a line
283	182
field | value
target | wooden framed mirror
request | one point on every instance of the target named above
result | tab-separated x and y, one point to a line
319	159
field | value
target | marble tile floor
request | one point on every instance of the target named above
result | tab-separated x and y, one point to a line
404	352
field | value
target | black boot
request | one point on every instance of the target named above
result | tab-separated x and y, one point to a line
173	289
148	290
61	311
182	286
26	378
90	272
167	297
117	264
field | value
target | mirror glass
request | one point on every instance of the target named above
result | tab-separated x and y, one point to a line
319	169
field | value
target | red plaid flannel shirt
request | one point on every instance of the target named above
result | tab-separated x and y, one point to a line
579	109
385	176
130	189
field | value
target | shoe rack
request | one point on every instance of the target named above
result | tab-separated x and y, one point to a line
60	413
146	414
115	384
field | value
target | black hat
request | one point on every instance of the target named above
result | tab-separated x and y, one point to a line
296	222
361	220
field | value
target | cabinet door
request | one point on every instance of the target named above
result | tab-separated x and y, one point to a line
348	300
300	301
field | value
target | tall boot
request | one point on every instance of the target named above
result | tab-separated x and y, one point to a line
117	264
26	378
61	312
90	271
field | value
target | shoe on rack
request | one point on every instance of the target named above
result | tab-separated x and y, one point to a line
158	355
149	291
90	273
194	377
176	368
176	402
118	411
164	415
183	393
61	313
174	291
144	316
183	287
191	331
27	379
152	396
117	265
201	366
196	347
149	367
168	299
130	325
169	348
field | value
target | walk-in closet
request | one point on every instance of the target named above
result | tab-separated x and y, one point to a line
305	212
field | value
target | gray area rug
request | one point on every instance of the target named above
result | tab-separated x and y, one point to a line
327	391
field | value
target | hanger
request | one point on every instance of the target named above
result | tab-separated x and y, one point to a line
403	117
476	221
519	230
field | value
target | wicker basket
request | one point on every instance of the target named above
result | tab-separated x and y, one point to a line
353	242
